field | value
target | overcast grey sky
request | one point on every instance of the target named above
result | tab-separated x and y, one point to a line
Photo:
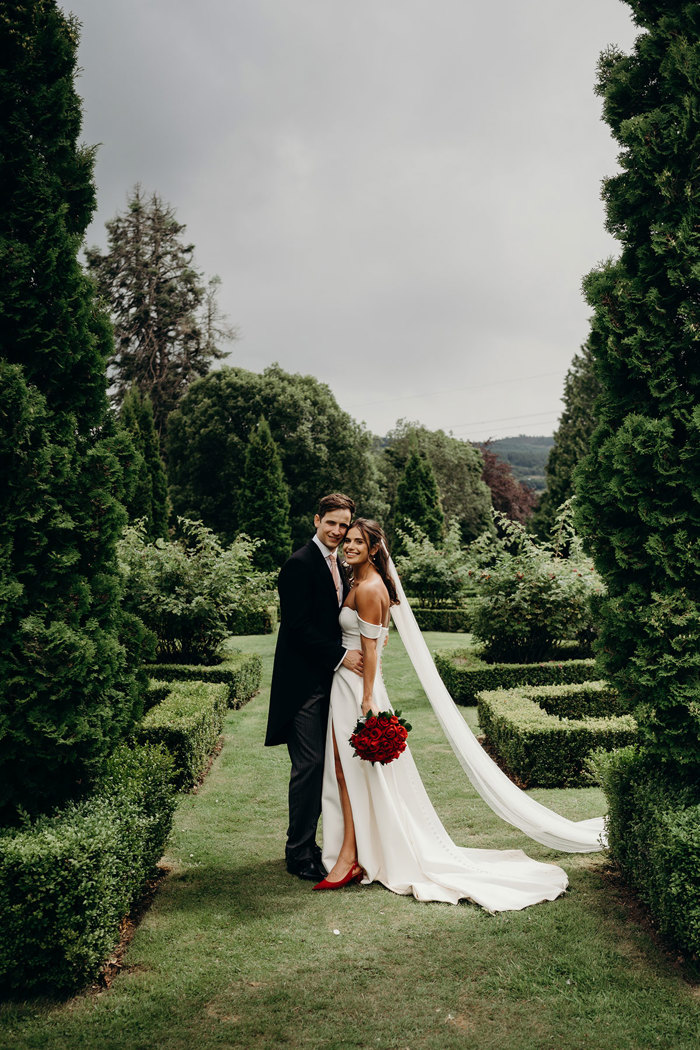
400	196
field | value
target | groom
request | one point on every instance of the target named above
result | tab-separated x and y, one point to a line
312	587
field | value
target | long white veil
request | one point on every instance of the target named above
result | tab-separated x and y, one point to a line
497	790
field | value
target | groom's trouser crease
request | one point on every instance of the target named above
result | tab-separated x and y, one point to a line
306	745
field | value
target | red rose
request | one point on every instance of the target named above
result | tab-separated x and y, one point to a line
379	738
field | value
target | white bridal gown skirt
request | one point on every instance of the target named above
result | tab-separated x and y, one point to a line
401	841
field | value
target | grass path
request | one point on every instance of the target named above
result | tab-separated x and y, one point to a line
236	953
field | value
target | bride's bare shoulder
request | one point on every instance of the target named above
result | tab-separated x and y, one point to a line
370	598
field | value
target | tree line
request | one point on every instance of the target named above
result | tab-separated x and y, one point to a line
247	452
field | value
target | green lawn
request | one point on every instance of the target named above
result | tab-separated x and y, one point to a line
236	953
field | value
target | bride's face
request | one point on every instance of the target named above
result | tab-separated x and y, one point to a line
355	547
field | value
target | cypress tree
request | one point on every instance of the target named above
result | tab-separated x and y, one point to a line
265	500
418	500
639	502
149	496
160	505
68	688
138	499
458	467
571	441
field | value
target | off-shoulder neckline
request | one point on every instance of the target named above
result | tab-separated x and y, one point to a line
383	626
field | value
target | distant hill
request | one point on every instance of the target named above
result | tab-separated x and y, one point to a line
527	456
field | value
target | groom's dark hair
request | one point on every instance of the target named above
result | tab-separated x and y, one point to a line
335	501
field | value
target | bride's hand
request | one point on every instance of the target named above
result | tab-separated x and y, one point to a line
367	706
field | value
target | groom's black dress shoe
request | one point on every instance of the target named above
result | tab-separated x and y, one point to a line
309	868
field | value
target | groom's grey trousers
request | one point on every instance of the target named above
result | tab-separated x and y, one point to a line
306	744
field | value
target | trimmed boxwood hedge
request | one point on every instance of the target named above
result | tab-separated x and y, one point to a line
543	746
466	675
187	723
654	836
240	672
155	694
442	619
67	880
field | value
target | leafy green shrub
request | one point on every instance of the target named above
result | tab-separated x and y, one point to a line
532	597
240	672
543	747
187	723
466	675
254	621
654	836
67	880
434	573
188	592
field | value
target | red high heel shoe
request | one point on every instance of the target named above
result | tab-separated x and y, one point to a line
354	875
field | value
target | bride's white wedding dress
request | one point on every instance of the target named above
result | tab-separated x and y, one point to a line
401	841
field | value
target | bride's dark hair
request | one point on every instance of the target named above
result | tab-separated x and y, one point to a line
374	536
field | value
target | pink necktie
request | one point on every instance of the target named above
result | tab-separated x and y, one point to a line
336	576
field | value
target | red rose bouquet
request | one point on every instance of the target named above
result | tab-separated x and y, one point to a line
380	738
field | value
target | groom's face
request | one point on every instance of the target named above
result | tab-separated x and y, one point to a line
331	528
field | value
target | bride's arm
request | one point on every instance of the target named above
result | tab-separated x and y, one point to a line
369	609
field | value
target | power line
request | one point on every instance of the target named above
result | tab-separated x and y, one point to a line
454	390
533	416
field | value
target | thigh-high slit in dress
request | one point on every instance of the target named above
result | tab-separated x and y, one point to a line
401	841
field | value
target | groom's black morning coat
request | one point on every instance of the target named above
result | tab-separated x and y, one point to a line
308	645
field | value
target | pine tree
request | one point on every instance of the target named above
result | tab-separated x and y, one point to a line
167	325
68	687
571	440
639	501
148	497
264	499
418	500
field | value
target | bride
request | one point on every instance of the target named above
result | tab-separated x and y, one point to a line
378	822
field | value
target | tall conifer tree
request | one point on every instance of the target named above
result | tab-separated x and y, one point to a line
640	486
418	499
68	689
265	500
149	495
138	498
167	325
160	505
571	441
458	468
